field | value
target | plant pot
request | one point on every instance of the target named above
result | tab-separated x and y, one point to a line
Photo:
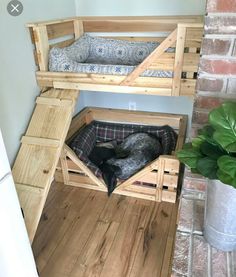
220	216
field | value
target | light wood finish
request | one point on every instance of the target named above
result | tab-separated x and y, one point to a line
42	46
85	233
38	156
179	58
40	141
162	173
145	85
158	60
78	28
168	42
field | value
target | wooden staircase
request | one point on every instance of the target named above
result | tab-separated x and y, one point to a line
40	150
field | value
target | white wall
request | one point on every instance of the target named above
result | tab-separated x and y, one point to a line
139	7
18	88
181	105
16	257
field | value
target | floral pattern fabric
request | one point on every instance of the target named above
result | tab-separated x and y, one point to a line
103	56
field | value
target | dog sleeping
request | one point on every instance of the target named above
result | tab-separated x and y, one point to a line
123	160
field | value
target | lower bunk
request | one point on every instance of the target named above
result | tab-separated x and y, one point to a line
157	180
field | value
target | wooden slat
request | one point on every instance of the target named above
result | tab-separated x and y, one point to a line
47	79
179	56
171	164
113	88
78	28
136	117
40	141
166	62
168	42
60	29
182	132
42	47
27	187
53	101
62	44
86	170
159	19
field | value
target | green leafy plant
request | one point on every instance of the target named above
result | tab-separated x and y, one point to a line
213	152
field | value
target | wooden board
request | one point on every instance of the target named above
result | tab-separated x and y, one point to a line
38	156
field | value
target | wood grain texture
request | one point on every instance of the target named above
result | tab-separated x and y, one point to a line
85	233
39	153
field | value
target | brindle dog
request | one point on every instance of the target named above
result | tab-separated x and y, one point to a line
127	158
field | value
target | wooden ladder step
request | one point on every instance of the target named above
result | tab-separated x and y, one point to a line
40	141
40	150
53	101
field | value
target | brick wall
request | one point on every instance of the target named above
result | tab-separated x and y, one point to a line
216	82
217	72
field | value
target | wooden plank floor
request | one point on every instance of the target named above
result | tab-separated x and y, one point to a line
84	233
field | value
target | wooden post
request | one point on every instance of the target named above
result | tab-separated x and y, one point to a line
78	28
42	46
179	58
64	167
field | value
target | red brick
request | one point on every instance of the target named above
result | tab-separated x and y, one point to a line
231	88
200	256
200	117
219	263
199	206
215	46
214	85
221	6
186	215
195	184
220	24
181	253
206	102
225	67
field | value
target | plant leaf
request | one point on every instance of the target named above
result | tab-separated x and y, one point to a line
227	165
207	167
226	179
223	119
196	142
189	157
212	150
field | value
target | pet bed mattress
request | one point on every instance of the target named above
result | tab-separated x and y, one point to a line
84	142
104	56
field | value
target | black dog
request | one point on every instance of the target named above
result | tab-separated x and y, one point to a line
126	159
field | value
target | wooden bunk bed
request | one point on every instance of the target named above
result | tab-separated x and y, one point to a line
184	33
43	148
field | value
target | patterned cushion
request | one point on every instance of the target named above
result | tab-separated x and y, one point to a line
76	52
111	51
104	56
96	131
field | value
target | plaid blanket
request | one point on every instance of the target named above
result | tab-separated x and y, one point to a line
97	131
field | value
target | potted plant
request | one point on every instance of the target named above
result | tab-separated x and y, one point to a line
213	154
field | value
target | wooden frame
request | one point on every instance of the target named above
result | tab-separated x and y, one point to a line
162	173
182	32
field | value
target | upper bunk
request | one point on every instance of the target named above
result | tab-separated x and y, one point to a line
177	52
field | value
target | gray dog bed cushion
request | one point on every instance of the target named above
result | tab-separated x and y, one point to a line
85	140
103	56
